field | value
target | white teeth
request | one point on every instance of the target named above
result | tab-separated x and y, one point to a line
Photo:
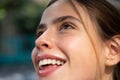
50	61
53	61
58	62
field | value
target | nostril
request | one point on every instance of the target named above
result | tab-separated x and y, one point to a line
45	45
41	46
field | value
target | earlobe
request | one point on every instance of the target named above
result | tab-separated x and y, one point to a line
113	55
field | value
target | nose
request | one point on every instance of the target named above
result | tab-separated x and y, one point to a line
45	41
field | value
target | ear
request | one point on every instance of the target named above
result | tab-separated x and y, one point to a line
112	57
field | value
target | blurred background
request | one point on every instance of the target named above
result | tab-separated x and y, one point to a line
18	22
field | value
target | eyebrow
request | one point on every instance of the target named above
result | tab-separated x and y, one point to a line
58	20
41	26
63	18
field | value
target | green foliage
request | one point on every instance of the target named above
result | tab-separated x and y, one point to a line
24	14
2	14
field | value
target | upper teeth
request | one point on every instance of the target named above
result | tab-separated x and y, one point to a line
50	61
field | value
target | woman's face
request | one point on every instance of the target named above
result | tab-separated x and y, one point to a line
63	49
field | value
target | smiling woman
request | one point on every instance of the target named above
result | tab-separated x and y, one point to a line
78	40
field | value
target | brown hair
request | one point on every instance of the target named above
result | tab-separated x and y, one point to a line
107	18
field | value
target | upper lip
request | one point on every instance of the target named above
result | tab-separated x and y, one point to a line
47	56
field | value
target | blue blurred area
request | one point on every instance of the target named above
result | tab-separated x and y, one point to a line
15	58
17	49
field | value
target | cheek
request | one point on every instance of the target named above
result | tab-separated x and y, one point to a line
33	55
81	55
78	48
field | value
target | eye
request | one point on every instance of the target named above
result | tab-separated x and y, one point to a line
66	26
39	33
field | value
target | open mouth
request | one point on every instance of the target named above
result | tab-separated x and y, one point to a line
49	65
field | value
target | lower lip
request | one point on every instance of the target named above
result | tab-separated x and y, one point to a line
47	70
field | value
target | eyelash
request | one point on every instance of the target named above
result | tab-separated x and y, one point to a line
66	26
39	33
63	27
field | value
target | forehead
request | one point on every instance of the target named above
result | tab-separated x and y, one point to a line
58	9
